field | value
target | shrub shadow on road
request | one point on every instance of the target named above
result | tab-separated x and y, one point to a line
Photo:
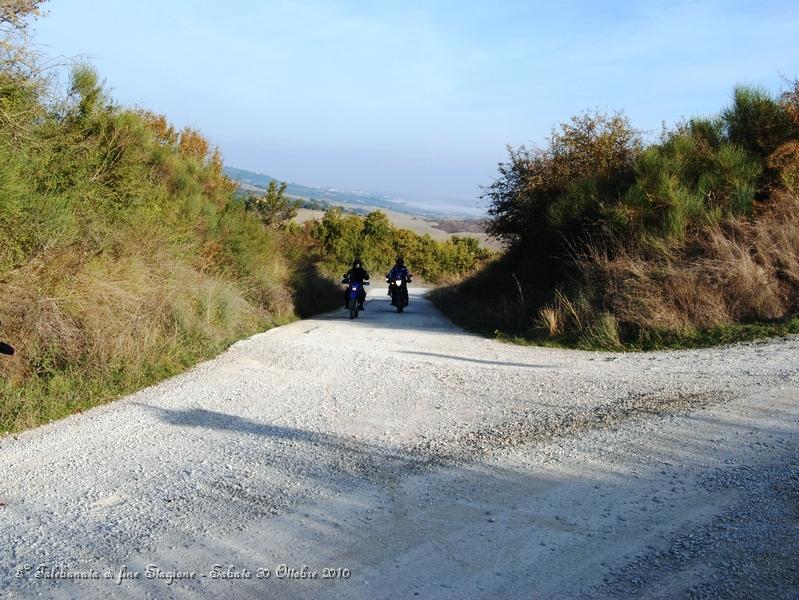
419	503
419	315
499	363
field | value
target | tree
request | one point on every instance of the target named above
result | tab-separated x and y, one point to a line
15	53
13	13
378	246
20	80
555	190
785	159
192	143
162	130
87	91
273	207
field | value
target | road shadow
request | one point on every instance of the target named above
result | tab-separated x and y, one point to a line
494	528
326	458
313	292
477	360
372	503
419	315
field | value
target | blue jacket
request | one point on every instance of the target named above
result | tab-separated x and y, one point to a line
398	273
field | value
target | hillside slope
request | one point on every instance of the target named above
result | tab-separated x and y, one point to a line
125	256
614	242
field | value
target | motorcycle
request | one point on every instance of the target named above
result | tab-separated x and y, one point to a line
6	349
398	288
355	292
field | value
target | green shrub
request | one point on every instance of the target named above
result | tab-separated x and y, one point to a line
692	232
341	238
124	255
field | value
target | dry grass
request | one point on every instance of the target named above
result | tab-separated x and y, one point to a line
89	327
551	319
124	256
733	280
736	271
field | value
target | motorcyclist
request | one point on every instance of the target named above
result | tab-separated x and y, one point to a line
357	274
400	271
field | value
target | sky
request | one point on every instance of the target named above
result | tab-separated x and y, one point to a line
418	99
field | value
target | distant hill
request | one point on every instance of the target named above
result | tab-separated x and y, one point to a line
332	196
462	225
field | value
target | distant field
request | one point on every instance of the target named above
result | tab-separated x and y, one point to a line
438	229
416	224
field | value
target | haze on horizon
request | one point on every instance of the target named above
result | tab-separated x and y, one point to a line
415	98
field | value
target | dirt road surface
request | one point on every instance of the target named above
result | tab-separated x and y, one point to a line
395	456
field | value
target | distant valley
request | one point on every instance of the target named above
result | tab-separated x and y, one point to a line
438	225
333	196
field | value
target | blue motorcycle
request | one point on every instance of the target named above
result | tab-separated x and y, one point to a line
355	288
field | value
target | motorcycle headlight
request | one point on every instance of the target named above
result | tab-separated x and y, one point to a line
399	282
355	288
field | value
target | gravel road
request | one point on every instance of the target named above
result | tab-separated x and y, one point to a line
397	457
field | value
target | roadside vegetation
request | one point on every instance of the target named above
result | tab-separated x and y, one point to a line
613	243
127	255
373	238
124	258
340	235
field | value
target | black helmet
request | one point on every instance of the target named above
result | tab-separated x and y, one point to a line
356	263
400	262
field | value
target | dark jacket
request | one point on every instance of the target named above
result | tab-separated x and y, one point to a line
358	274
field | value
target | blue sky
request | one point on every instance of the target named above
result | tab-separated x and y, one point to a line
418	98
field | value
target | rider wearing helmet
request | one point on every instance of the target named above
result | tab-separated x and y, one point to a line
356	274
399	271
